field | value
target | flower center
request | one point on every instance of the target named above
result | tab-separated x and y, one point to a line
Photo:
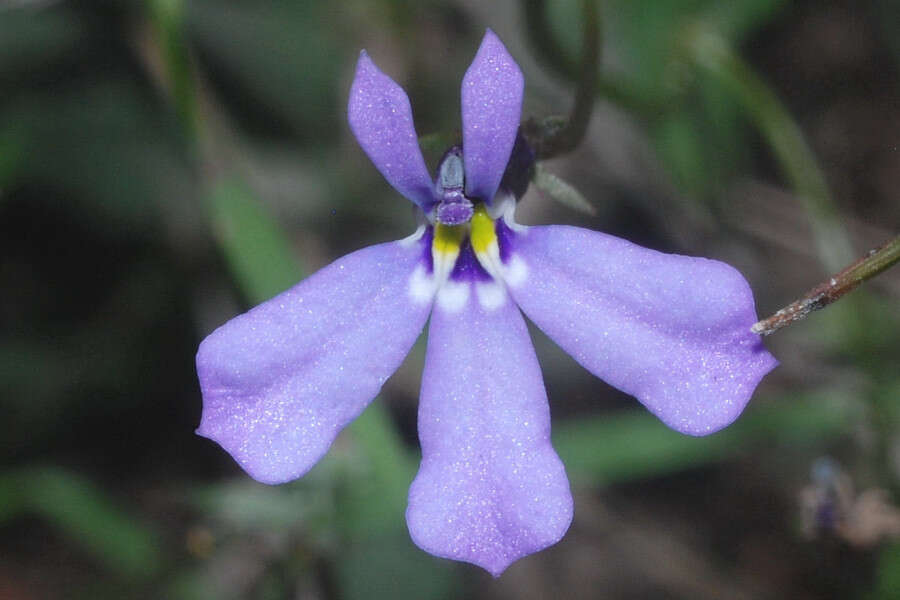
465	245
453	207
476	239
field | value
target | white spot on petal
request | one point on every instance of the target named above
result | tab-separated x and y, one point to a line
453	296
422	285
491	295
516	272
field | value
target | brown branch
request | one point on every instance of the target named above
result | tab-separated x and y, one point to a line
874	262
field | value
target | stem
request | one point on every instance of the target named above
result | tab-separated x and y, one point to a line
558	135
544	44
874	262
583	106
557	60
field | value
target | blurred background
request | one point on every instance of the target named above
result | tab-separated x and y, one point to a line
165	165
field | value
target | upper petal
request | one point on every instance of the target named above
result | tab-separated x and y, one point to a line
674	331
491	109
381	119
490	489
280	381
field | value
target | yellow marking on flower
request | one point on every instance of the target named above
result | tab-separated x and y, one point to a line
447	239
483	233
484	242
445	250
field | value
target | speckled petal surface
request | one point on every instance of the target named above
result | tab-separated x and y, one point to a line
381	119
280	381
491	108
490	489
671	330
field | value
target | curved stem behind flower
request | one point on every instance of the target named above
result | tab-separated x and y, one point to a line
547	49
553	136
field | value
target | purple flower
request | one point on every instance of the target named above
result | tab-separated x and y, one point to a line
281	381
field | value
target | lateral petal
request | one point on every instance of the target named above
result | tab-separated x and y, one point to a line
491	109
674	331
490	489
381	119
280	381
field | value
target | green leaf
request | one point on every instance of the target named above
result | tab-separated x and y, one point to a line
736	20
645	34
278	54
374	502
259	255
703	143
104	148
167	17
251	507
11	155
32	38
635	445
712	53
84	514
391	566
887	579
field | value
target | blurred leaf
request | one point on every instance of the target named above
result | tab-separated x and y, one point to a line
713	54
393	567
861	327
375	501
680	146
645	33
244	505
11	147
887	578
89	365
887	13
434	145
167	17
625	447
697	124
285	55
560	191
736	20
32	37
704	142
105	147
260	257
84	514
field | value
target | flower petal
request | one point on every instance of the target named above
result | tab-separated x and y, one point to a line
280	381
490	489
491	109
381	119
674	331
